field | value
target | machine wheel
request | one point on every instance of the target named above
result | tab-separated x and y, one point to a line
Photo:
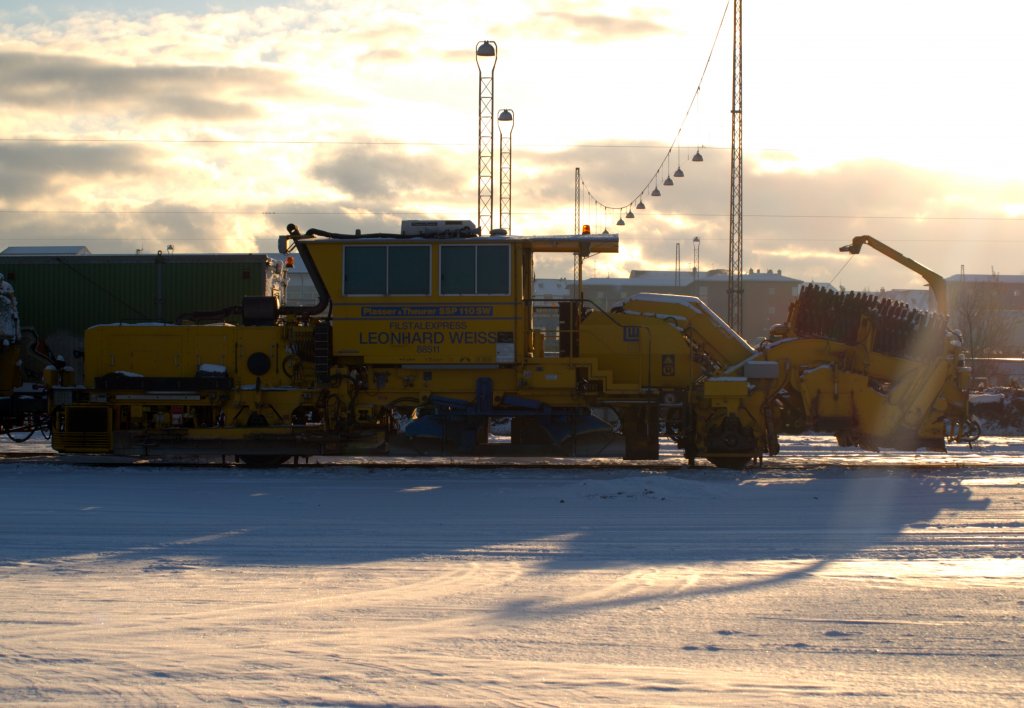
731	445
264	460
258	420
733	463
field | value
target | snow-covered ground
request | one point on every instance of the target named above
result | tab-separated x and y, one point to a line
826	577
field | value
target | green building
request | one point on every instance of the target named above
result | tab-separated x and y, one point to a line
63	291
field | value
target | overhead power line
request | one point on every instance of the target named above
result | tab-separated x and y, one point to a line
227	141
388	143
675	145
704	215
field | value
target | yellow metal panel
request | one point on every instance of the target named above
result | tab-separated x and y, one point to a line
455	330
726	387
326	256
555	374
692	314
153	350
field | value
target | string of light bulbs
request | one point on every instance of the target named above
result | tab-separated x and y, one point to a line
665	164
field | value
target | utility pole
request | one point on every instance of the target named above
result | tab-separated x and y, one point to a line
735	314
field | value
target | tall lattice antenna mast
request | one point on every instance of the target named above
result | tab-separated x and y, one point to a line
735	315
486	58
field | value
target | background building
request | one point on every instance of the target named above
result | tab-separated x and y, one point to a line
989	312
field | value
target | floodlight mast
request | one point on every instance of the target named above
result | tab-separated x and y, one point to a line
506	122
486	59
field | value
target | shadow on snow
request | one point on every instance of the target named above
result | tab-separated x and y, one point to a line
560	520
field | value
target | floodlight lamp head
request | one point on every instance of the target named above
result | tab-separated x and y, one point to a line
486	58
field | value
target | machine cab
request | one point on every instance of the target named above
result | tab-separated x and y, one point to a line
435	296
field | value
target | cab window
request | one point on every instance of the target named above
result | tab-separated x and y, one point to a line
387	270
475	270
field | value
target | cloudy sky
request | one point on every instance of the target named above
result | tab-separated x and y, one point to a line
210	126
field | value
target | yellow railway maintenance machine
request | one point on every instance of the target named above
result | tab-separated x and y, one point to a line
421	340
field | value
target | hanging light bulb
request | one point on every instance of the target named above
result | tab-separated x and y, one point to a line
697	157
620	222
629	214
656	192
640	204
679	169
668	178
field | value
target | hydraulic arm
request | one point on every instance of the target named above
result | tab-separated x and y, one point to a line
935	281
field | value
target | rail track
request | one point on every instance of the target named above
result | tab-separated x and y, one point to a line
799	453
